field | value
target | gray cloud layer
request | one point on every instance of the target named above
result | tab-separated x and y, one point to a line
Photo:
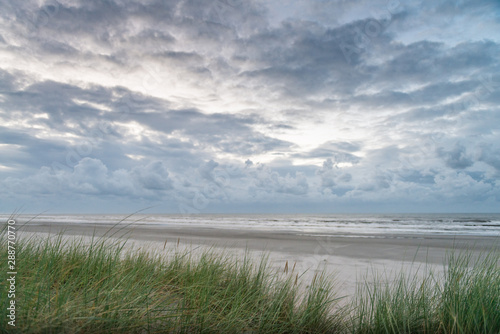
246	105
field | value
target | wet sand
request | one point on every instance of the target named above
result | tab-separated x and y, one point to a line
351	259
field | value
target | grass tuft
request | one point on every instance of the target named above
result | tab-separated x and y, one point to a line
465	300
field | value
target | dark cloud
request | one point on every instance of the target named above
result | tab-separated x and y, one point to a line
415	176
456	158
425	62
153	176
433	94
491	155
302	58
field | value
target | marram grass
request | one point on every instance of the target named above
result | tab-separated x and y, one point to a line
465	300
68	286
71	286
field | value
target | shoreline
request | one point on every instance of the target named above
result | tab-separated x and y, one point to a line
350	260
385	247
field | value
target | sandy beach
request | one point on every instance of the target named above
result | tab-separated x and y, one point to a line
350	259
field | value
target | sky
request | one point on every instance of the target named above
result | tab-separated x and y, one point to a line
249	106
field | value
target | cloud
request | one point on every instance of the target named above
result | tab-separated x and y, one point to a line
92	177
339	151
457	158
97	119
335	180
264	179
327	101
153	176
490	155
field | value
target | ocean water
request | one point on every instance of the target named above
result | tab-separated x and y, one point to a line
347	225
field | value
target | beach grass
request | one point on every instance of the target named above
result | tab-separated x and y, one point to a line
71	285
465	300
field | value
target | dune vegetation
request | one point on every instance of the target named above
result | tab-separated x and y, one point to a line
71	285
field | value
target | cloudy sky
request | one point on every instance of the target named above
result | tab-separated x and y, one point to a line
249	106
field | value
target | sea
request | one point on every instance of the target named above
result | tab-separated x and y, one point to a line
346	225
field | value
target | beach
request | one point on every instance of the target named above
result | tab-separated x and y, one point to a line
267	274
350	259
